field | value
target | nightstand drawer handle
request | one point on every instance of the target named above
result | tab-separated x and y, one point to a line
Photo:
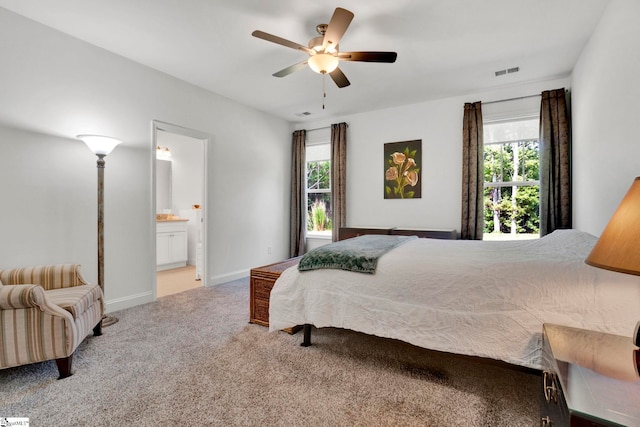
549	385
546	422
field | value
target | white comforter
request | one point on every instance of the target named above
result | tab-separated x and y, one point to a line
486	298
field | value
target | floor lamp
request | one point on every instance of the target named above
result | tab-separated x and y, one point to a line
101	146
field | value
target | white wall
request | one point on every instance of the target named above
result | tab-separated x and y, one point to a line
606	116
439	125
47	207
55	87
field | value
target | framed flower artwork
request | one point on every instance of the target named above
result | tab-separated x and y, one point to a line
402	170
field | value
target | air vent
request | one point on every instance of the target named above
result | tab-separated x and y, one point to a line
303	114
507	71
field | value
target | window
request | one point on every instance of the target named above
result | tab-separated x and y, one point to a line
511	180
318	173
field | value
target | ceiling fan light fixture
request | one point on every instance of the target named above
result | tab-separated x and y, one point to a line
323	63
323	50
316	43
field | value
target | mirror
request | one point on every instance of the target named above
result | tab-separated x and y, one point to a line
163	185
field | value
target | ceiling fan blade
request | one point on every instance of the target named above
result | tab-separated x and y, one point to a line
291	69
279	40
335	30
339	78
388	57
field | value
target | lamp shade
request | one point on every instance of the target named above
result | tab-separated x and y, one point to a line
100	145
618	248
323	63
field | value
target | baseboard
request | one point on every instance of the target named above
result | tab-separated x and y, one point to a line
128	301
146	297
224	278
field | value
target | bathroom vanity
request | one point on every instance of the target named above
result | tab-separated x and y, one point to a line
171	243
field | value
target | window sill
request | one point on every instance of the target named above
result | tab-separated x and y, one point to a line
319	235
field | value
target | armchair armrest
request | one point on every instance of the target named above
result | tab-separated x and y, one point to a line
17	297
21	296
48	276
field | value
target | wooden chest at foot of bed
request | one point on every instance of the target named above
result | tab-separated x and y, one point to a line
261	281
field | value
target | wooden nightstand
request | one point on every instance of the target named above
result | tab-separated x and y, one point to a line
261	281
590	379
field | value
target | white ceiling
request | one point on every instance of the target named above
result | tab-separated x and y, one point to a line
445	47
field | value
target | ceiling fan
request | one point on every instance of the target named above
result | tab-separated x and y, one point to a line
323	52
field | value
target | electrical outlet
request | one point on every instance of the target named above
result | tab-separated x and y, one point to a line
269	250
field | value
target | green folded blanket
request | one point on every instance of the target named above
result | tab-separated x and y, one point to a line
359	254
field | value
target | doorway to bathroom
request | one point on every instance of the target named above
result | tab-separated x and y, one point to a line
180	165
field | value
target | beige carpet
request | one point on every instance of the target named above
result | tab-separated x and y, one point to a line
192	359
176	280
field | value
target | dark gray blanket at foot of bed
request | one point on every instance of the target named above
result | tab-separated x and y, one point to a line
359	254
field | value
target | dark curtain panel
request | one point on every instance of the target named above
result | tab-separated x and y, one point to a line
472	173
338	177
555	162
298	189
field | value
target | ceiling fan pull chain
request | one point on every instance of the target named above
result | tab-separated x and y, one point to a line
324	93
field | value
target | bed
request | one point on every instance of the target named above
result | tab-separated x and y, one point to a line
478	298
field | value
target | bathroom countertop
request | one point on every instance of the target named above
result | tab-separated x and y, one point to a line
171	219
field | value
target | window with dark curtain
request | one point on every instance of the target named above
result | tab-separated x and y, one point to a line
298	197
555	162
338	177
471	227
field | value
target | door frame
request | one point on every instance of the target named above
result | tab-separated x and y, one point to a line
157	125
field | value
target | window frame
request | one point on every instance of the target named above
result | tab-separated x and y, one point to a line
326	234
504	184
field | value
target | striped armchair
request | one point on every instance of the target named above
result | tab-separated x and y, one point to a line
45	313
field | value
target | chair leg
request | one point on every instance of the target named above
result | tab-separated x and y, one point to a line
64	366
97	330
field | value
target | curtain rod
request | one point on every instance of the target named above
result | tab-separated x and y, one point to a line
511	99
320	128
